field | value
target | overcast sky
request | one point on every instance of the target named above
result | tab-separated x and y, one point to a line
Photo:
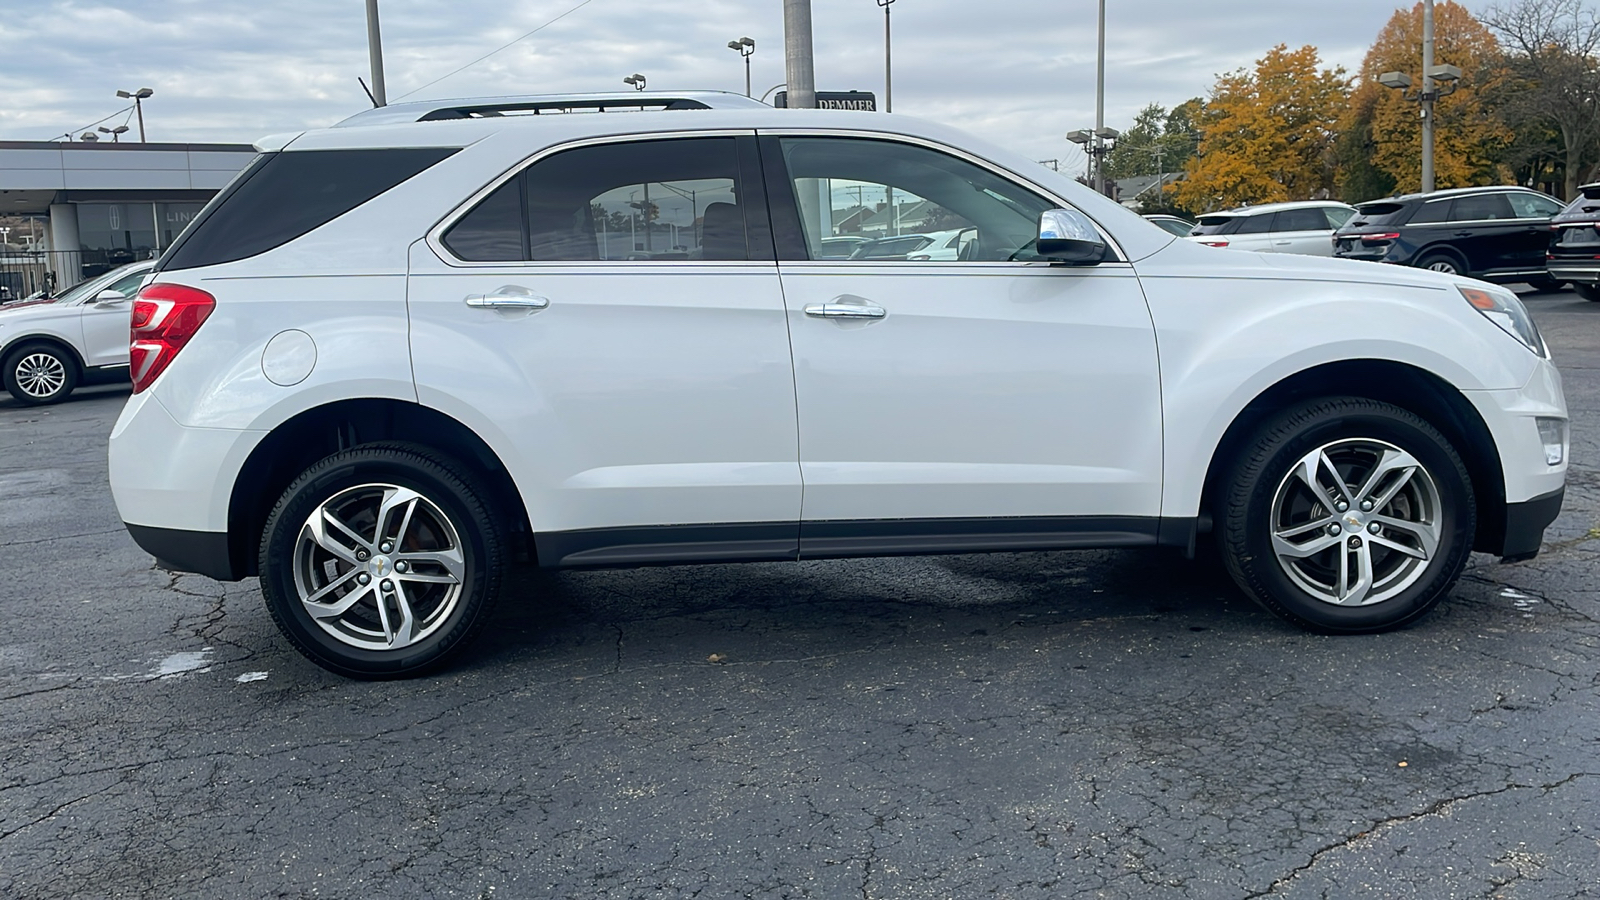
1017	71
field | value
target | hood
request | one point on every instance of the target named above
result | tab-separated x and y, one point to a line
13	307
1216	262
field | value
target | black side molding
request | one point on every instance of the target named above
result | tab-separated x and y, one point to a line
1525	525
201	552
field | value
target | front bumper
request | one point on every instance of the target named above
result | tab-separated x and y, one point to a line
1525	525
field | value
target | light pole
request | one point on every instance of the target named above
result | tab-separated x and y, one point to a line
888	69
138	107
1437	81
115	132
636	80
375	54
747	48
1100	107
800	69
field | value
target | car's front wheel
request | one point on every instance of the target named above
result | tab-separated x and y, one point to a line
1348	516
40	373
382	561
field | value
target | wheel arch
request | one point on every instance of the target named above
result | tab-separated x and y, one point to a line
324	430
1411	388
41	338
1443	249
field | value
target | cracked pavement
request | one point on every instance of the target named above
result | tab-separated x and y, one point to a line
1087	724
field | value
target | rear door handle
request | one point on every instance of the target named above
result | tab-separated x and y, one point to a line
511	296
845	311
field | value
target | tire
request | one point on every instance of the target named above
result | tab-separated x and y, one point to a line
446	569
1545	285
1274	518
1590	292
1448	263
39	373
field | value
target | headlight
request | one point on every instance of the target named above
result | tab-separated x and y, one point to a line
1504	309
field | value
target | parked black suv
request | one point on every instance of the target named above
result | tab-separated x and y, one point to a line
1497	234
1575	247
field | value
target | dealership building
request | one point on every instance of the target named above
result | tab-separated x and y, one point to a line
88	207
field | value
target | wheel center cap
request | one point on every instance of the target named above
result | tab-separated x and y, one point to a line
1352	523
379	565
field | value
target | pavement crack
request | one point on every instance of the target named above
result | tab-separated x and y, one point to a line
1436	808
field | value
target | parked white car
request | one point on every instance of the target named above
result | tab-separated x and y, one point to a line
48	346
1305	227
387	361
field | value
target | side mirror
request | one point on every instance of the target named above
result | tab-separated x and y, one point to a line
108	298
1067	236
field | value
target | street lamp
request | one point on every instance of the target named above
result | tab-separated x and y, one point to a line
136	97
88	137
1437	81
747	48
636	80
115	132
1097	143
888	70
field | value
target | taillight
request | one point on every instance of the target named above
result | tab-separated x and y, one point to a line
165	317
1391	236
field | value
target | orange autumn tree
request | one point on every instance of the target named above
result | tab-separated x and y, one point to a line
1382	145
1268	134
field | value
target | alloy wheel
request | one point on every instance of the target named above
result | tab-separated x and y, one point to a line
1356	522
40	375
379	567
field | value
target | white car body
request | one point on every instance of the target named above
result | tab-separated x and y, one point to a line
1278	234
692	410
94	329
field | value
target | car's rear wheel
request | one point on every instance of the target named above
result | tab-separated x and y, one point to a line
382	561
39	373
1545	285
1588	291
1348	516
1447	263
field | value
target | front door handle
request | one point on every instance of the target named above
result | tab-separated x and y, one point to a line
511	296
845	311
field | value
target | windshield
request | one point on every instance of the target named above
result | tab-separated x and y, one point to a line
90	286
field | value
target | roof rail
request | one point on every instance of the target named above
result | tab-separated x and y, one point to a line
538	104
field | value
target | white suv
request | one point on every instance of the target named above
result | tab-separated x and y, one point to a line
1304	227
391	359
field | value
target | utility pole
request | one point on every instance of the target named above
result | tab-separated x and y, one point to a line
375	51
1428	96
888	68
1100	107
799	63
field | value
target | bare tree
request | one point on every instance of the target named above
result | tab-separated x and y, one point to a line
1552	68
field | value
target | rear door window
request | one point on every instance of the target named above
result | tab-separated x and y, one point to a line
286	194
1311	219
1481	207
1337	215
1257	224
675	199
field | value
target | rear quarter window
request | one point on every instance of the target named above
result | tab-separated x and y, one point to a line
1215	225
284	195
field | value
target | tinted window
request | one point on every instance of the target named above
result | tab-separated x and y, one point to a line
1301	220
882	189
286	194
1533	206
1257	224
644	200
1430	212
493	231
1216	225
1377	214
1337	215
1482	206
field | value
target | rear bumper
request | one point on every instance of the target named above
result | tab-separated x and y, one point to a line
1525	525
1586	272
202	552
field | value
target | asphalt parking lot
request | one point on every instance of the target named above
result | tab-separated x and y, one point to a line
1097	724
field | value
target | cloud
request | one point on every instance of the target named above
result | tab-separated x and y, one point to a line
1019	71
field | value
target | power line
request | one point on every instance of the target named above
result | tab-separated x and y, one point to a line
68	135
497	49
